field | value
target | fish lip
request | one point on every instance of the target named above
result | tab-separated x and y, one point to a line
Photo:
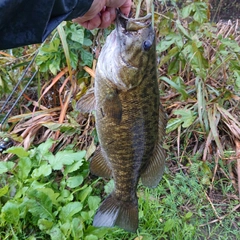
132	24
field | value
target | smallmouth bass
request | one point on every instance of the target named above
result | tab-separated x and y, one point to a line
130	120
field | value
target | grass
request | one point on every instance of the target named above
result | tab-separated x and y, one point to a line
180	208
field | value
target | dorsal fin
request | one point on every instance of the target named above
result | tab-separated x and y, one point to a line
152	175
86	103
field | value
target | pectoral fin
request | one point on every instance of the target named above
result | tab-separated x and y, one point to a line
112	107
86	103
99	166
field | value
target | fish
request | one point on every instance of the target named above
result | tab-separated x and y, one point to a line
130	120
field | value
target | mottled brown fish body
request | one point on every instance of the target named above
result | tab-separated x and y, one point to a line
130	121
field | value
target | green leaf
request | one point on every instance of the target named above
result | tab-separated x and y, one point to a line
173	52
24	167
173	67
73	60
39	204
186	11
100	232
163	45
87	42
188	215
87	58
237	78
84	193
52	47
196	9
10	212
51	194
77	35
69	210
173	124
93	202
201	102
200	14
187	116
77	228
194	54
19	151
91	237
43	170
66	157
109	187
169	224
73	182
45	147
183	30
6	166
44	224
180	89
56	233
54	65
75	166
65	196
4	190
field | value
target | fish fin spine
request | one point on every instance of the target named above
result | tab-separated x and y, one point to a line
153	172
87	102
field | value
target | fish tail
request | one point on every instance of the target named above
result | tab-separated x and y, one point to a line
113	212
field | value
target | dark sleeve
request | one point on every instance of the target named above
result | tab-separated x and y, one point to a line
24	22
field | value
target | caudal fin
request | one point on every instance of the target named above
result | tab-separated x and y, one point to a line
117	213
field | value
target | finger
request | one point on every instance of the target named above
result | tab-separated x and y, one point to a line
91	24
112	14
106	20
126	7
108	16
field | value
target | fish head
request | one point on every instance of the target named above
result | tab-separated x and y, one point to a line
136	38
136	43
128	52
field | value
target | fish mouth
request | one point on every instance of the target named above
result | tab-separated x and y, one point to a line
133	24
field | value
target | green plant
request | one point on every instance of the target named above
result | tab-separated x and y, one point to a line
201	65
44	194
52	55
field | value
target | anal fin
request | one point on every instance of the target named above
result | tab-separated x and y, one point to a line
99	165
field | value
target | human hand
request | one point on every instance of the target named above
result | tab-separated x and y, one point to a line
102	13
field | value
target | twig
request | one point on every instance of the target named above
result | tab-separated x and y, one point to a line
216	166
212	206
221	218
237	142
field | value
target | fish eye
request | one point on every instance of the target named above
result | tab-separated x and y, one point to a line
147	45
